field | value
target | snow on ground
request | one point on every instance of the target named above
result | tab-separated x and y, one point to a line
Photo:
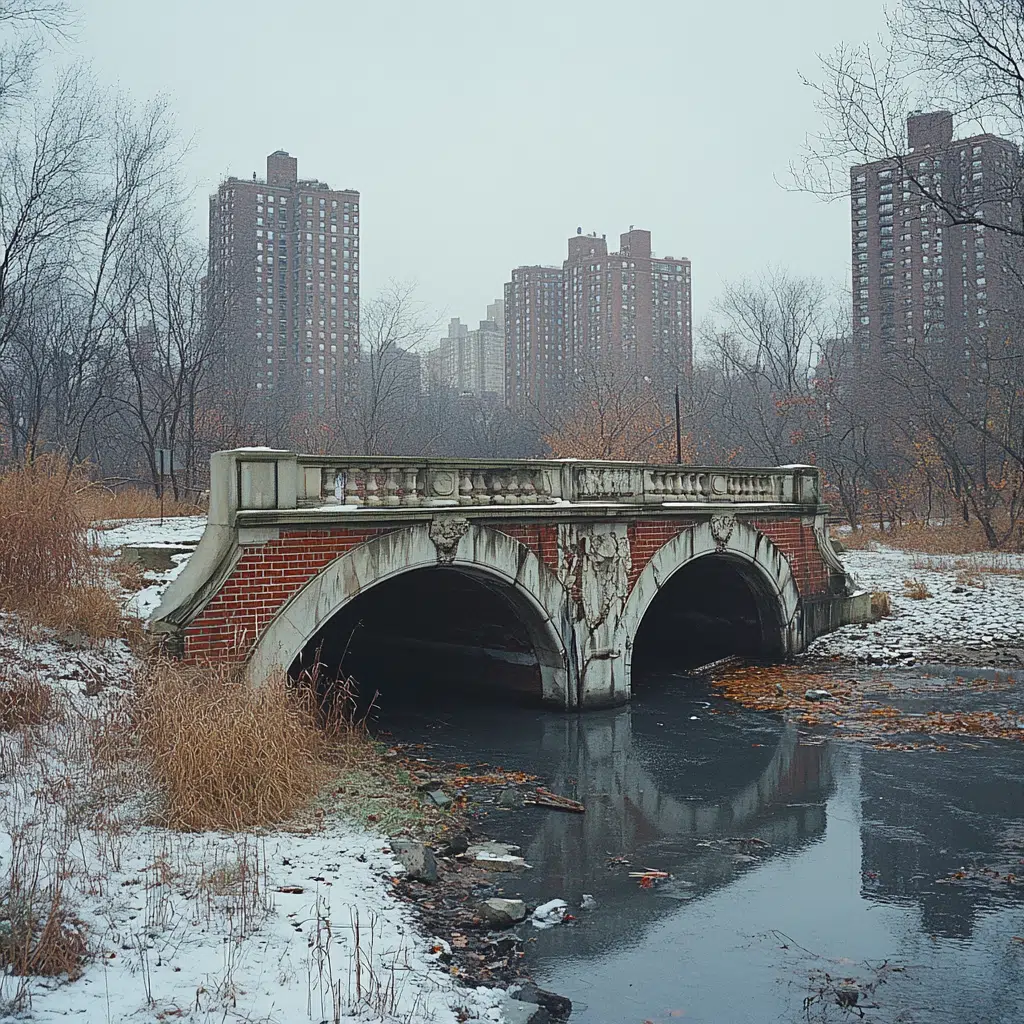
274	926
174	531
976	607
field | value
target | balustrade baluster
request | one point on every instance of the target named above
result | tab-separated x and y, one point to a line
658	483
372	495
327	487
527	492
497	495
465	488
480	494
410	489
391	486
352	477
512	490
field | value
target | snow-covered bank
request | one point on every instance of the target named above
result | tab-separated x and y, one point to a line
181	531
975	613
283	925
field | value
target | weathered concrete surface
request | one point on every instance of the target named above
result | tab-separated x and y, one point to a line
580	573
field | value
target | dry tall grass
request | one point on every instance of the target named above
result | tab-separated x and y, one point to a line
99	503
48	572
947	539
24	701
228	755
916	589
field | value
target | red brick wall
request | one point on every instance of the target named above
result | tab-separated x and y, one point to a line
541	539
797	543
647	536
267	575
264	578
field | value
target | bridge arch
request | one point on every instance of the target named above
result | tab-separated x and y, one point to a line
736	549
532	588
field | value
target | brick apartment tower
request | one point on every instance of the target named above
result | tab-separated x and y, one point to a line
920	281
284	274
627	306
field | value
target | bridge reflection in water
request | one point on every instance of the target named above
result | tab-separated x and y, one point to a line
661	789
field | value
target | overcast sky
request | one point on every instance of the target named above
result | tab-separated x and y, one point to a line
482	133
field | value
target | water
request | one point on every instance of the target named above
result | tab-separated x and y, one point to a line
850	879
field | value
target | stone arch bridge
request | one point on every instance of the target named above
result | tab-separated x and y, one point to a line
584	554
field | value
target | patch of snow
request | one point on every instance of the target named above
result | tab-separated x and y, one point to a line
979	615
174	530
176	928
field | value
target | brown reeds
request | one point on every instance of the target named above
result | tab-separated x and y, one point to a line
99	503
48	571
24	701
226	754
916	590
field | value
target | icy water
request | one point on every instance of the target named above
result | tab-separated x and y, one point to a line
852	874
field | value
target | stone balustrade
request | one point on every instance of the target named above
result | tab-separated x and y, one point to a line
261	478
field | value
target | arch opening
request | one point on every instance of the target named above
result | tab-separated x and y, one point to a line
431	636
714	606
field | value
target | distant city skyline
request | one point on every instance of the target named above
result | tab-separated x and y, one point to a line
463	176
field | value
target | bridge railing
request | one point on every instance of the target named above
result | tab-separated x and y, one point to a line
263	478
412	483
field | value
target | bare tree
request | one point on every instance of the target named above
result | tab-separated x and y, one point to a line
609	410
377	413
966	56
763	340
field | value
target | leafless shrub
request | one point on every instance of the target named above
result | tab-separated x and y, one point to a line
916	589
24	701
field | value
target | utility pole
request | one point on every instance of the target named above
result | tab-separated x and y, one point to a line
679	432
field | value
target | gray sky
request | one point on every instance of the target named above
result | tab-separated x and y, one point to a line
481	134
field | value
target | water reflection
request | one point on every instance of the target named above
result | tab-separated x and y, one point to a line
860	845
928	815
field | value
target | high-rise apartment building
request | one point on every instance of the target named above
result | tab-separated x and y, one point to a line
284	273
921	281
471	362
627	307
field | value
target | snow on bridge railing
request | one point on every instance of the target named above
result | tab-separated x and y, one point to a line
262	478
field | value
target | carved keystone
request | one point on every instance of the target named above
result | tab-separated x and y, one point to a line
446	532
721	530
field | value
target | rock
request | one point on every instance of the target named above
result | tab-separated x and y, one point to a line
838	546
500	913
428	784
456	845
847	994
505	945
588	902
436	797
510	798
817	695
558	1006
743	858
515	1012
417	859
496	856
549	914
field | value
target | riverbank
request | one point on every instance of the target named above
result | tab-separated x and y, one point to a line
946	610
112	915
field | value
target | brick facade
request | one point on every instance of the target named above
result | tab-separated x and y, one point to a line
798	543
267	575
264	578
541	539
646	537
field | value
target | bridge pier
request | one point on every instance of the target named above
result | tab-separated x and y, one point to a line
581	551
